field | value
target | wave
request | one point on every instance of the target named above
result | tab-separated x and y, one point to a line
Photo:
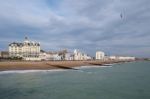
52	70
82	67
29	71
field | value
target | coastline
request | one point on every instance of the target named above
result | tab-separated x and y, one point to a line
51	65
50	70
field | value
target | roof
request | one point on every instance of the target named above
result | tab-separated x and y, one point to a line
22	44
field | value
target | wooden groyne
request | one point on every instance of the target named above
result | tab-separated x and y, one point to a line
61	67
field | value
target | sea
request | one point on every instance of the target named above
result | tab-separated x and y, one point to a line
119	81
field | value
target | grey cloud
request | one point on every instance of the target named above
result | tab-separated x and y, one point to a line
89	25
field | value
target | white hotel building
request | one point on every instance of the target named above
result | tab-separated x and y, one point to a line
28	50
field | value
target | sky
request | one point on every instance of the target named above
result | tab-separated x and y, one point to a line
87	25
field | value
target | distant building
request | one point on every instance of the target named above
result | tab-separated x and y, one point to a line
81	56
77	55
126	58
69	56
28	50
64	55
113	57
57	57
100	55
44	56
4	54
121	58
51	56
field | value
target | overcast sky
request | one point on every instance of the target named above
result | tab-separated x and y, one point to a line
88	25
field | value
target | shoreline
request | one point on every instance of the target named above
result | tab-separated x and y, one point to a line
50	70
52	65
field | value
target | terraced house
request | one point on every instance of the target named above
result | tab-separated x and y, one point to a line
28	50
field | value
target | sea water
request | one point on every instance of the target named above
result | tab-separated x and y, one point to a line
120	81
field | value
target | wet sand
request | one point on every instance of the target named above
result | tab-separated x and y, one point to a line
47	65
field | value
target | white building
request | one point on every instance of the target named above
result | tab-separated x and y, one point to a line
100	55
81	56
113	57
126	58
77	55
121	58
69	56
54	56
28	50
45	56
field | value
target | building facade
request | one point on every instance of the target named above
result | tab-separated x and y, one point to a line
4	54
53	56
69	56
81	56
28	50
100	55
122	58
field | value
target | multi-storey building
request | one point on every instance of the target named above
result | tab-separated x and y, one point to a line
81	56
100	55
28	50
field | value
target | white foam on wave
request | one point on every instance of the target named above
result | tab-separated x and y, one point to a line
84	67
29	71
